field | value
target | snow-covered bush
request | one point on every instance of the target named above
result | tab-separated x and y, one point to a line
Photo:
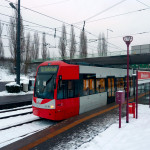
12	87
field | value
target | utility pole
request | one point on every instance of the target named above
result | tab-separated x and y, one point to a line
18	45
18	42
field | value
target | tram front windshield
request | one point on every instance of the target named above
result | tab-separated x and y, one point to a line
45	82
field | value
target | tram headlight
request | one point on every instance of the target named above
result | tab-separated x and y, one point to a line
52	106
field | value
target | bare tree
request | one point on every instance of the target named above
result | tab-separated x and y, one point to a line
13	37
99	47
32	51
104	45
63	43
44	47
27	53
72	43
36	45
1	43
83	44
13	40
48	54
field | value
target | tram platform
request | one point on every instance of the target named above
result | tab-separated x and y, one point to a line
74	131
18	100
15	100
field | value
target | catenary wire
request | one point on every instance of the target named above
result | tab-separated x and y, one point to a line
143	3
63	21
103	11
139	10
50	4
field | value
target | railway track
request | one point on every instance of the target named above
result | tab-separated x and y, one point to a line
15	112
15	109
18	123
15	115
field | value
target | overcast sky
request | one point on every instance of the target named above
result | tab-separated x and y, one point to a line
73	11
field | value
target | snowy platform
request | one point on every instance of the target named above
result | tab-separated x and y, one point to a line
100	131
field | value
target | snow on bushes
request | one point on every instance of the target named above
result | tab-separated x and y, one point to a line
12	87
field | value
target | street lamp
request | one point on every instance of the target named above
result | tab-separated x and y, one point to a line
127	40
18	42
107	37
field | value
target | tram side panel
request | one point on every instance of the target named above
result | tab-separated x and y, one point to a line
90	102
95	100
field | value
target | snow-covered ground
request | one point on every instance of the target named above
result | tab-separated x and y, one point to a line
134	135
5	76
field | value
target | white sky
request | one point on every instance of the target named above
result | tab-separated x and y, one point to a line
72	11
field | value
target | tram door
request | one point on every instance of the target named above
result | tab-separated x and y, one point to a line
111	90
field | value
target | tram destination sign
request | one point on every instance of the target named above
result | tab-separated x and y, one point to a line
48	69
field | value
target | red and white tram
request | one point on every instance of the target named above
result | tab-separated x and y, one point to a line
65	90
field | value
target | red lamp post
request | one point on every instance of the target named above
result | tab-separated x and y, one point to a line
127	40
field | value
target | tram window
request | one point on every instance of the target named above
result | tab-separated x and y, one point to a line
120	84
113	86
62	89
100	85
92	89
76	88
131	82
67	89
125	84
70	89
86	87
109	87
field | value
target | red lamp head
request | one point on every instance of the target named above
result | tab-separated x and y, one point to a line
128	39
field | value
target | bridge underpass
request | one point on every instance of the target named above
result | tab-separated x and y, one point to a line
115	60
119	61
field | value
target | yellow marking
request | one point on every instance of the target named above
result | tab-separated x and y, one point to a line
51	135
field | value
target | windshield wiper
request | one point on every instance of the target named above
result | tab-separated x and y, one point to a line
49	79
